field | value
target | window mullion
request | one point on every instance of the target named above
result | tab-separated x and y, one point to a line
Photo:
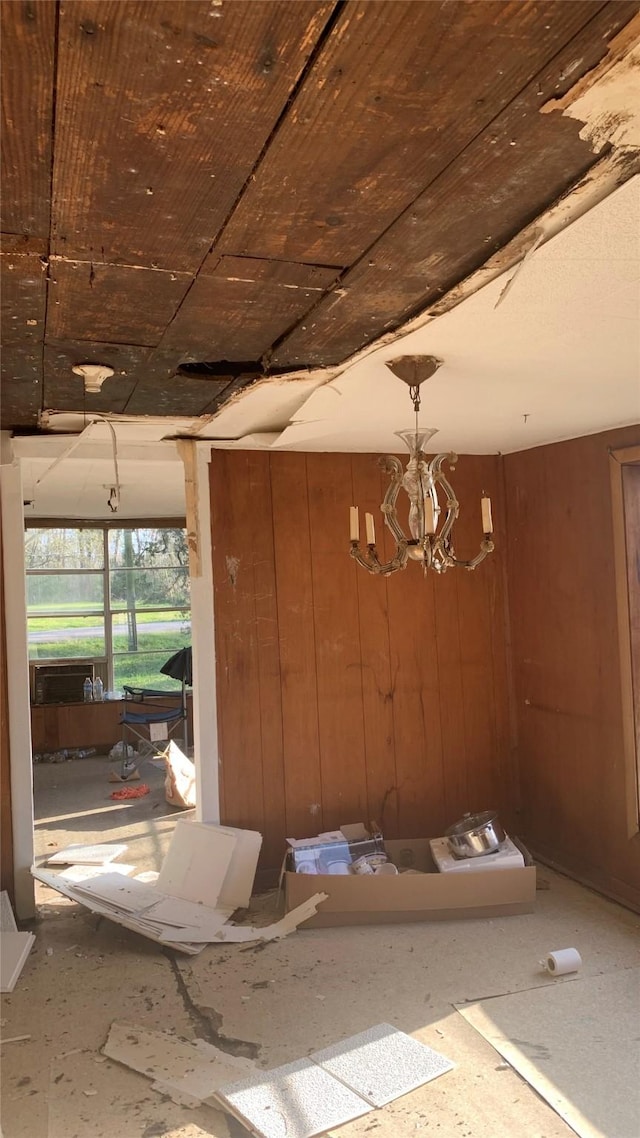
108	632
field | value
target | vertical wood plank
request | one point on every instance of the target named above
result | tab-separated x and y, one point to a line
27	36
567	673
476	593
416	702
377	688
452	711
268	648
337	641
6	824
300	735
191	100
237	665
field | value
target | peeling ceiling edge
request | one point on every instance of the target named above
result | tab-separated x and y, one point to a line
604	178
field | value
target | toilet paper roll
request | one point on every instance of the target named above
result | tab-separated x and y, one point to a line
561	961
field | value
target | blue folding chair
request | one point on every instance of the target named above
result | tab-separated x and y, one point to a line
143	708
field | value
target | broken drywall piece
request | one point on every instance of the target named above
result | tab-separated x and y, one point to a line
120	892
100	854
7	919
14	950
190	1072
207	874
128	921
79	873
211	865
382	1064
236	934
212	932
606	98
197	862
14	946
184	914
538	239
181	1098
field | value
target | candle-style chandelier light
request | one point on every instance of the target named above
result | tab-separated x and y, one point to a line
433	506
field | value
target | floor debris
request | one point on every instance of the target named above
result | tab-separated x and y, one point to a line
300	1099
334	1085
14	946
86	855
207	874
188	1072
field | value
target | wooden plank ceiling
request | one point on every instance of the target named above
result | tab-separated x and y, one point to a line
262	186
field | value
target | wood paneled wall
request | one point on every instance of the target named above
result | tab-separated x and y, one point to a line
562	592
342	696
6	825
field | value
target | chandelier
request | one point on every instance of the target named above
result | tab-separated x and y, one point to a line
432	506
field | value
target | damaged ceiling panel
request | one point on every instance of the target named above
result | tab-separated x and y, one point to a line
200	194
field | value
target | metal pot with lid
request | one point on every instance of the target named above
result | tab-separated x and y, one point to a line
475	835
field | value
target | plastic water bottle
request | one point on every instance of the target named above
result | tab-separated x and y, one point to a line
87	689
98	690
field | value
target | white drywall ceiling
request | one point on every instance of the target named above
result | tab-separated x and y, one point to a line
151	474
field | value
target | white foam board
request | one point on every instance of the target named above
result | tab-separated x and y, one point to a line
14	950
197	862
86	855
382	1064
79	873
7	919
112	888
185	914
298	1100
95	905
237	886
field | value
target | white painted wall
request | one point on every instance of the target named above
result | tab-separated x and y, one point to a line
205	714
17	678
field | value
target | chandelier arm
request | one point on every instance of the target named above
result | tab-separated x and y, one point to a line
388	508
486	547
371	561
453	508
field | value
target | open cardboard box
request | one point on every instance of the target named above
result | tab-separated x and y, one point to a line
427	895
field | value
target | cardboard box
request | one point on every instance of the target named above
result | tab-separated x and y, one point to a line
426	895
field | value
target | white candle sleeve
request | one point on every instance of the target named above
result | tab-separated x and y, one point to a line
371	529
429	516
487	522
354	523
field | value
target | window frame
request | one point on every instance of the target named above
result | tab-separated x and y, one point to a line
107	612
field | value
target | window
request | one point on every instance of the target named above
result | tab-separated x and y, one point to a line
119	597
